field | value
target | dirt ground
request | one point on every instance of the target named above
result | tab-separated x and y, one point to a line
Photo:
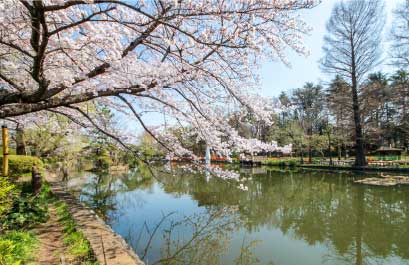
51	245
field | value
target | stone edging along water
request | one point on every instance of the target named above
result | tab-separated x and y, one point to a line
109	248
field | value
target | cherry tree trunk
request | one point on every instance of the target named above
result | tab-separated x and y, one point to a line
36	180
20	142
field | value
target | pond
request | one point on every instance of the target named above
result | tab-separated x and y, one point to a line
173	216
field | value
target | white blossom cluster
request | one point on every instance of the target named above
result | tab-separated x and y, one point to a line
191	61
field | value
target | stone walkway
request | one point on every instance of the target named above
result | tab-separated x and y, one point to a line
109	248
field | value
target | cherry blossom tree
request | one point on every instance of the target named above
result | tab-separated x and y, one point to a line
192	61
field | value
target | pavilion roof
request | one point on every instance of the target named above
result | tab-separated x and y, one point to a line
386	148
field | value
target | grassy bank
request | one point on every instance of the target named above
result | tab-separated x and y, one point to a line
317	162
21	212
18	244
79	248
350	168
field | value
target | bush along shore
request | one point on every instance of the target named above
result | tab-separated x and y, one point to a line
24	209
281	162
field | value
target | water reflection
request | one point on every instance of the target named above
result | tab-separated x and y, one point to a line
188	218
195	239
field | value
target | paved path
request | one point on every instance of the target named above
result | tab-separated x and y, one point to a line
109	248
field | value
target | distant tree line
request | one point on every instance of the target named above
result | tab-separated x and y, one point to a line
358	110
318	119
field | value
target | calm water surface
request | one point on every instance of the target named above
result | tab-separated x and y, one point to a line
284	218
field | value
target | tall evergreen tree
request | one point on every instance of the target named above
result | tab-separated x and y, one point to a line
309	104
400	98
339	105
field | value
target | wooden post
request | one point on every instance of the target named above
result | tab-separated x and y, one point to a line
5	151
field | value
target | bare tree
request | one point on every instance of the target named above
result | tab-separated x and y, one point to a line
352	48
400	35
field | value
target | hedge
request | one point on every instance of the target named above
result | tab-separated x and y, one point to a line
281	162
19	164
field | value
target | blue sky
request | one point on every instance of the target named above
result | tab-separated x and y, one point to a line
277	77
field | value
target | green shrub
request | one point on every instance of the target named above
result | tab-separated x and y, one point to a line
7	191
22	164
104	162
27	210
292	163
280	162
17	247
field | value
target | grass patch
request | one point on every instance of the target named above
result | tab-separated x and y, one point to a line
20	210
17	247
78	246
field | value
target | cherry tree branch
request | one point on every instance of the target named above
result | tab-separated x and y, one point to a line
141	121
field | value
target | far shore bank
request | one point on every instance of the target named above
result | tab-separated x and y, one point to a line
369	169
284	163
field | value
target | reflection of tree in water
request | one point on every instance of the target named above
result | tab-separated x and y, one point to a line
99	194
209	232
362	225
206	243
100	191
209	235
139	178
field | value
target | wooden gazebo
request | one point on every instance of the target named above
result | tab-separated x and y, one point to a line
388	153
